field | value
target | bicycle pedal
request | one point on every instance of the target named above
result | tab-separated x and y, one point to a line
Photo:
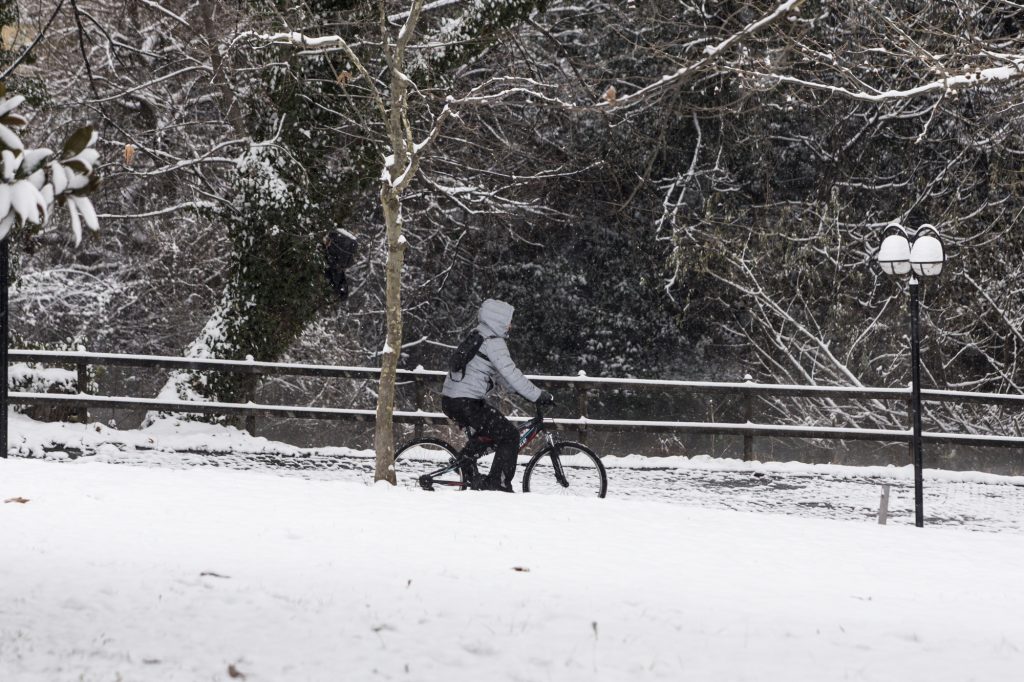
426	483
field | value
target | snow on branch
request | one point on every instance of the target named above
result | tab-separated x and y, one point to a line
318	43
527	87
477	96
163	10
437	4
297	39
973	78
147	84
711	52
187	206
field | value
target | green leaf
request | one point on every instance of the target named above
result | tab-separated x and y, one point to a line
77	143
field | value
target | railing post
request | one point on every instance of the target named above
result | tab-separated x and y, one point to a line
250	419
582	400
83	386
421	396
748	416
883	505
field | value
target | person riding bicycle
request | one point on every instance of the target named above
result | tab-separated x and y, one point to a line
463	399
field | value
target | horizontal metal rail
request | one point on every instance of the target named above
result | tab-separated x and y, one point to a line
582	385
749	429
338	371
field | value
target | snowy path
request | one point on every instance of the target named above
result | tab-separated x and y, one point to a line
183	574
795	490
960	499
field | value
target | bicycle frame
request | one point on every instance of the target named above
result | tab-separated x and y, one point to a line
528	432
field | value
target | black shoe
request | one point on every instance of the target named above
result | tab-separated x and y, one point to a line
487	483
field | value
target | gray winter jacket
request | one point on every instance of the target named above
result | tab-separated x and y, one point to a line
480	376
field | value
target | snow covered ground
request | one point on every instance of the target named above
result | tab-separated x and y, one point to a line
972	500
181	572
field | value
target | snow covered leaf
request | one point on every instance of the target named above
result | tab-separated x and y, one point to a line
9	139
78	142
76	222
9	105
34	158
85	207
6	224
19	500
76	181
11	163
38	179
83	162
25	200
59	178
5	200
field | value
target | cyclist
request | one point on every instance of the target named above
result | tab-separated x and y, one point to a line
464	399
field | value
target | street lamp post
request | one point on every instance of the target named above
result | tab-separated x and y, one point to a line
3	343
923	256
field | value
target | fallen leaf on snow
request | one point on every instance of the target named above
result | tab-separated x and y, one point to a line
19	500
235	672
521	569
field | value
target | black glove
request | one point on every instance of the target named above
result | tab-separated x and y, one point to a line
544	399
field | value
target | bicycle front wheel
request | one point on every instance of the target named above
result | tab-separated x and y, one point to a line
429	457
566	468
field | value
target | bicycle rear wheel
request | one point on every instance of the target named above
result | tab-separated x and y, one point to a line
566	468
424	457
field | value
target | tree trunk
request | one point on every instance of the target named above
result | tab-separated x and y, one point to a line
384	435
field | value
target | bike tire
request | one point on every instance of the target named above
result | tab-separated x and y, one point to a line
422	456
581	467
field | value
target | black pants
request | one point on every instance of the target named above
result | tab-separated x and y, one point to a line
488	421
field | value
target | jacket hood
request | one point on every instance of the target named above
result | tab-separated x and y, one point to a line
495	317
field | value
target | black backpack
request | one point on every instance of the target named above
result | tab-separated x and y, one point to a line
464	352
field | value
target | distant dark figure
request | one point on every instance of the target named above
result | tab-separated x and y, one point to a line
340	248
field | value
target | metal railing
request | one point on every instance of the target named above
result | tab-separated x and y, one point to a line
582	386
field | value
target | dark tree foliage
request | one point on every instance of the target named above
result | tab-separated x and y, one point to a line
652	205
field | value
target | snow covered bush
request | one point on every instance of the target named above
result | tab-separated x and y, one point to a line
33	180
32	377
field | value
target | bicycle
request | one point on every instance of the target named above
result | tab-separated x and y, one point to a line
561	467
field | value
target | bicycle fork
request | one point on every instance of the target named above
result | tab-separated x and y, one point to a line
556	463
